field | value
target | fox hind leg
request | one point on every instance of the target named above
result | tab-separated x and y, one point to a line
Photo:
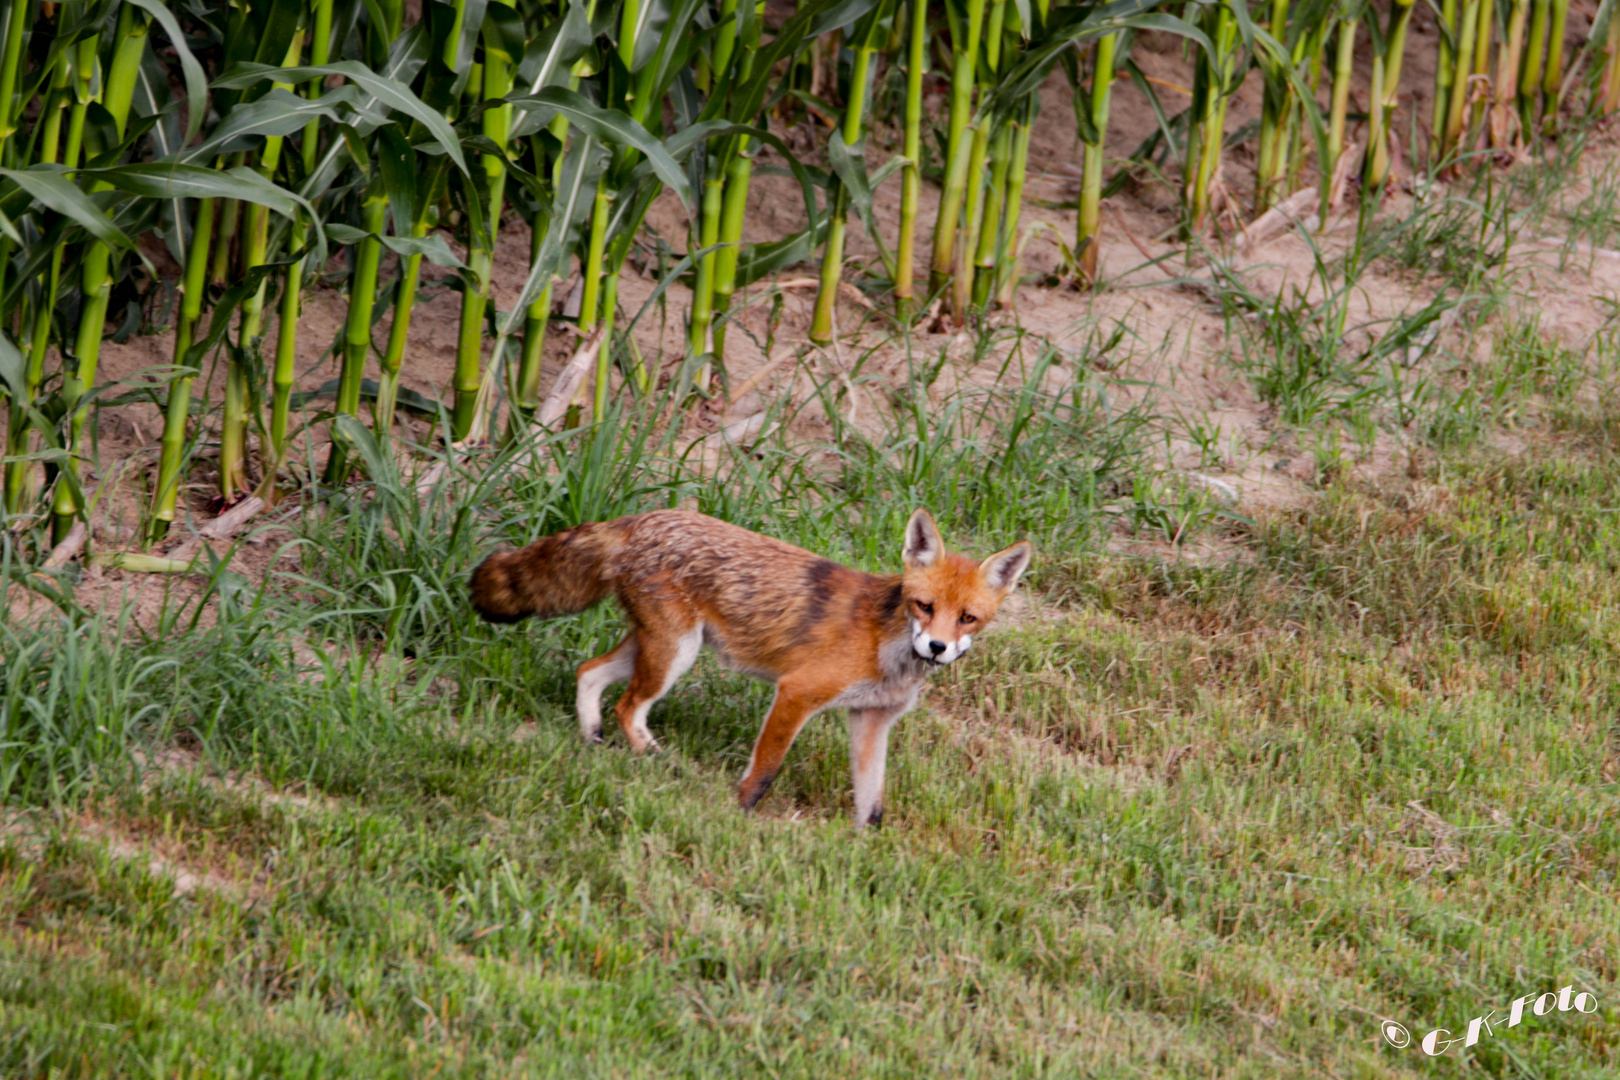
595	676
658	663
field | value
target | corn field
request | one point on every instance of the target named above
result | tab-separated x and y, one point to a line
229	156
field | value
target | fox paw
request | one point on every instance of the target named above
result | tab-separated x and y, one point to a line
753	789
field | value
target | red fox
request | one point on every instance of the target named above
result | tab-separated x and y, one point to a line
825	634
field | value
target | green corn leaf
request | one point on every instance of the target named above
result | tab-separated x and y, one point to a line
273	24
154	98
393	94
825	18
572	204
503	34
1026	17
225	309
172	180
346	234
405	397
611	126
681	143
670	61
553	50
396	167
409	55
849	162
472	17
681	271
13	369
652	20
49	185
359	437
758	261
431	247
811	20
278	113
196	80
9	230
1083	24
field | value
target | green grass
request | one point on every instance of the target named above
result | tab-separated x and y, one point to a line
1204	818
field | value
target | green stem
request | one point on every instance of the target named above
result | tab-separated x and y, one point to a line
911	178
1553	84
238	392
192	290
1008	249
11	101
832	257
357	328
1507	71
984	128
590	308
19	474
984	259
1609	91
1530	77
495	84
1445	73
1485	29
1386	82
1276	105
965	53
393	361
972	218
525	390
699	333
286	369
1457	102
733	212
590	305
604	358
230	217
96	278
1090	216
1205	137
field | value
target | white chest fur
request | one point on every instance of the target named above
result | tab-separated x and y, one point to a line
904	673
898	694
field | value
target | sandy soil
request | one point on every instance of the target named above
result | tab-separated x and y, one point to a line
1178	350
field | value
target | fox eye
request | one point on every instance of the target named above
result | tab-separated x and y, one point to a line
968	620
926	609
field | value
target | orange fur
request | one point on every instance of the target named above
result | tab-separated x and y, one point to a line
825	634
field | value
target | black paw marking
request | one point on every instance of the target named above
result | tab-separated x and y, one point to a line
749	796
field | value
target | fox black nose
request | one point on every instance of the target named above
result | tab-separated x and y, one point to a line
936	647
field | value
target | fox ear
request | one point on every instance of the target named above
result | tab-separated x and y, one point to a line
923	545
1002	570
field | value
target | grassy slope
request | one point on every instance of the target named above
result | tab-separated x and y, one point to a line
1397	802
1217	819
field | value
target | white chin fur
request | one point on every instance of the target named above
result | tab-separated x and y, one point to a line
922	642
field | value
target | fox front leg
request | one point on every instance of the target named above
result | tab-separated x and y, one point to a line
868	756
795	703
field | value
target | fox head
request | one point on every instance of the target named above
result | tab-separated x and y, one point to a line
948	598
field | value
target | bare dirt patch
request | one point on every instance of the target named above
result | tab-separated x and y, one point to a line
1178	353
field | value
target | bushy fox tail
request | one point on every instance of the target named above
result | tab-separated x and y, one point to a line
556	575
